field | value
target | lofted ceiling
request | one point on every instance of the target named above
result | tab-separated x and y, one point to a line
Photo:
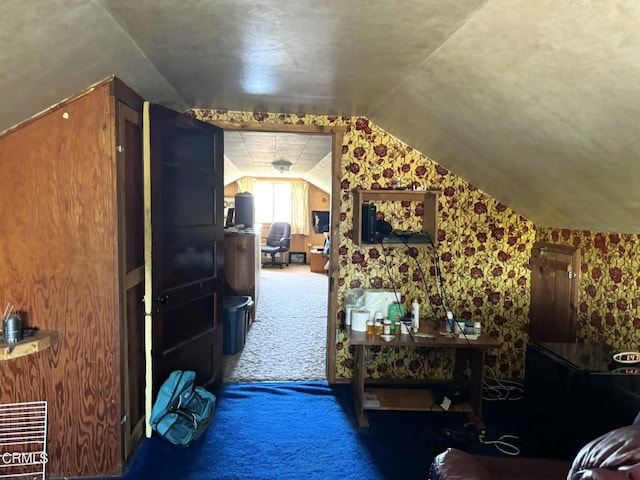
536	102
259	154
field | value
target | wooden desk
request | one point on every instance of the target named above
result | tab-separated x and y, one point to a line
471	352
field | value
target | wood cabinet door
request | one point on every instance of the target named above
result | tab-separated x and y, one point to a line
184	247
554	292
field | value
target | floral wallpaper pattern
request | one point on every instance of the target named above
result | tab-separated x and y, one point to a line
482	249
608	293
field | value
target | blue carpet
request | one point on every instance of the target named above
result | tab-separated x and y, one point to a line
297	430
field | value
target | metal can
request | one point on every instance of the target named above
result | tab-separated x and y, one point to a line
12	328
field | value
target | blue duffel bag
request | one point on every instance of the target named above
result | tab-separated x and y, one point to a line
183	410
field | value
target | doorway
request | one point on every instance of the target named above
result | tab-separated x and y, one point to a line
292	277
287	339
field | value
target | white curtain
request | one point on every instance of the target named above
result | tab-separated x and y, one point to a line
300	208
246	184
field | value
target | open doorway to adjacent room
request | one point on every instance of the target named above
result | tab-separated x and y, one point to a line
292	336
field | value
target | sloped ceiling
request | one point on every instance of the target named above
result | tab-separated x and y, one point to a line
536	102
257	153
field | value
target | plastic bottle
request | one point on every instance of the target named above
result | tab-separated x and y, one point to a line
449	325
370	327
415	315
386	327
477	328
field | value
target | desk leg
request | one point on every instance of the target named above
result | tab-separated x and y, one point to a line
358	385
475	359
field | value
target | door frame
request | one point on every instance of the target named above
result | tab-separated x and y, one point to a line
337	134
131	432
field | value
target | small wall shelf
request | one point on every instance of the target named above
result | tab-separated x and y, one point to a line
429	199
39	341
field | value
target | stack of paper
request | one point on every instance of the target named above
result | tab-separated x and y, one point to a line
371	400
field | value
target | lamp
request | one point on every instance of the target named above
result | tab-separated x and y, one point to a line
282	165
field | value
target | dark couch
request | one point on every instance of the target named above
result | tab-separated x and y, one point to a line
613	456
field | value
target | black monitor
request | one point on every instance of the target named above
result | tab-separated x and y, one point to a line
229	221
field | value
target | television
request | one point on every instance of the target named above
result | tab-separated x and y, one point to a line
229	221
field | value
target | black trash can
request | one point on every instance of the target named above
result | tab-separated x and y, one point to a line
236	321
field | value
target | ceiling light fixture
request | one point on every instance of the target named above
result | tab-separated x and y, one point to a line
282	165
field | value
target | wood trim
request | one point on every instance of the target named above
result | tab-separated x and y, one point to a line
125	95
148	302
539	248
334	270
58	105
278	128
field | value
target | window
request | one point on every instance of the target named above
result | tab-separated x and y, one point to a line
272	202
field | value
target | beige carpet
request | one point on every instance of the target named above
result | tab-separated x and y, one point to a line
287	340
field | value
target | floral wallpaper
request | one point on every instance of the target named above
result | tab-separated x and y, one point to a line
609	296
482	248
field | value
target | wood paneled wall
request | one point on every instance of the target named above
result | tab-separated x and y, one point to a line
58	264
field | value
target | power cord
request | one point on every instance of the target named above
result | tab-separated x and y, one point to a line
470	434
386	264
494	389
439	284
434	317
502	443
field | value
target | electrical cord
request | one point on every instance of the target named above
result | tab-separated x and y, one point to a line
386	264
439	284
494	389
434	318
502	443
471	434
445	303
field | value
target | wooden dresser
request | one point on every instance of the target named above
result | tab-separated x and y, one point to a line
242	264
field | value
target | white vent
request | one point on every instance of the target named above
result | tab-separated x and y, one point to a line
23	440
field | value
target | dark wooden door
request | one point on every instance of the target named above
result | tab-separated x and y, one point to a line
131	227
554	292
185	245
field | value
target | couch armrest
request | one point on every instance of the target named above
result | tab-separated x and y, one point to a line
458	465
453	464
615	454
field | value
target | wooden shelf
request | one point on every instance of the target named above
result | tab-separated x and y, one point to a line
429	199
39	341
409	400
